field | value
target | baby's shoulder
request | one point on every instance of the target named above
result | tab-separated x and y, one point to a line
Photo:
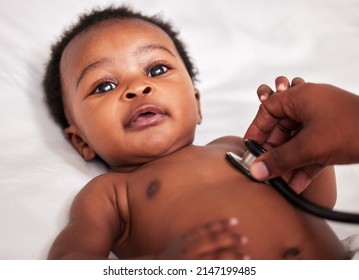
109	183
228	144
110	178
107	191
228	141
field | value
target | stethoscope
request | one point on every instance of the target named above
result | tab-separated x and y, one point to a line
253	151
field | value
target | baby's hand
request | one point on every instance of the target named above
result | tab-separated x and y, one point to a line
281	84
216	240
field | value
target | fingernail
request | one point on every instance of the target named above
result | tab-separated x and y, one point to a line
263	97
259	171
281	87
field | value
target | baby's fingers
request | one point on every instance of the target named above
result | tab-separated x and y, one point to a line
223	246
217	240
212	228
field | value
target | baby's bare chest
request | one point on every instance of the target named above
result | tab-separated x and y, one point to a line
183	177
170	198
191	190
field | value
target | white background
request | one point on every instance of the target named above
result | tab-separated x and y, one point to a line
236	45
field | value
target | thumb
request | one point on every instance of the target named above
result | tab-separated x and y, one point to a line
278	161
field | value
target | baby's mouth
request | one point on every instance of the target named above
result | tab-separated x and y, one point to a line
145	116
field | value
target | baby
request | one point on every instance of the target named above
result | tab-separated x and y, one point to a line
121	85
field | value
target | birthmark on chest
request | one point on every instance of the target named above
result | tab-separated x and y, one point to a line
153	188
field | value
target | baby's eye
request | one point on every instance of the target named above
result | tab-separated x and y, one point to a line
105	87
157	70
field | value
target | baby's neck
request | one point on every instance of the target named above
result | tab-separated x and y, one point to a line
135	166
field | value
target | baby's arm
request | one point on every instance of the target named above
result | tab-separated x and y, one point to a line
94	224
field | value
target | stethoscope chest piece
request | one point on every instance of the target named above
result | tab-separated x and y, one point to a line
244	162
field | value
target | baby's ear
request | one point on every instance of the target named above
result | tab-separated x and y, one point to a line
198	99
74	137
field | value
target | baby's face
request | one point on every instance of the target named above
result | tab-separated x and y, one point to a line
127	94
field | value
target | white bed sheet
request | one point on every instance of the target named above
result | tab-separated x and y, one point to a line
237	45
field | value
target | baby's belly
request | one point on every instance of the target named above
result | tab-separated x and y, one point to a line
274	228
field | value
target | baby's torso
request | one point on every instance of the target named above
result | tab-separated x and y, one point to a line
197	185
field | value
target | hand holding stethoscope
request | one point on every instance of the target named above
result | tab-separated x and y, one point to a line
304	127
307	128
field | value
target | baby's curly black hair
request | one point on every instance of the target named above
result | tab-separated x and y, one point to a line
52	83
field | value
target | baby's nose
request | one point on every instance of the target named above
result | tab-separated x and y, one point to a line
145	90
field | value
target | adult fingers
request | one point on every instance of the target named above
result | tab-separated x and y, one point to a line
279	160
281	83
264	92
275	118
296	81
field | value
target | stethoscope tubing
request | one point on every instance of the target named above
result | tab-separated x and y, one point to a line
283	188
